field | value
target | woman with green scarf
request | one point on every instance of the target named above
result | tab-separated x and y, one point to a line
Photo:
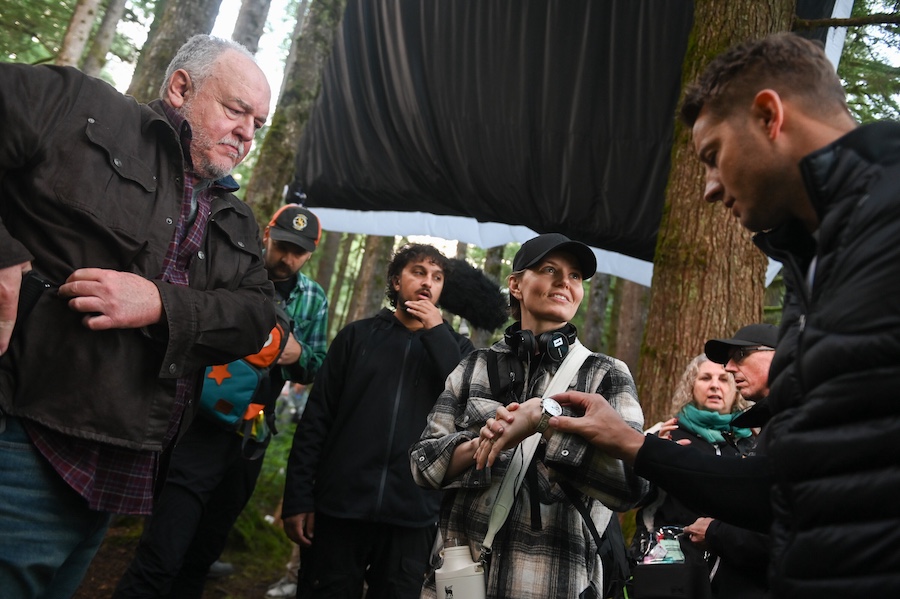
704	403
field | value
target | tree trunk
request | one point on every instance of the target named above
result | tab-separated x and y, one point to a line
493	263
291	62
78	32
251	21
630	314
595	314
371	281
179	21
708	278
337	294
328	255
96	56
275	166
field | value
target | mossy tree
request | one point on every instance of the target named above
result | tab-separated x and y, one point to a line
708	278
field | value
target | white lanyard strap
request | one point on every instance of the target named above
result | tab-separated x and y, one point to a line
523	454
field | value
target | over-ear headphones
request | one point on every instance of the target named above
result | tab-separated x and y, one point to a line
554	344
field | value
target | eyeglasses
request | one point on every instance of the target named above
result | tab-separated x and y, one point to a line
738	354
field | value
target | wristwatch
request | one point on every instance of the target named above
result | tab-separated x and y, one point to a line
550	408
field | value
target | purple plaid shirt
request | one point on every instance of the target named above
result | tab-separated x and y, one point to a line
117	479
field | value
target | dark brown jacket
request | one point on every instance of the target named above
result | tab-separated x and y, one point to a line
91	178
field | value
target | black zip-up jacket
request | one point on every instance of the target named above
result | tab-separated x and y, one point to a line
369	404
829	484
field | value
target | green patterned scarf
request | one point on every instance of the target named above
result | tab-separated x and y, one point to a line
709	425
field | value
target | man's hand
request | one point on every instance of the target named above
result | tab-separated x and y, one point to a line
301	528
291	353
425	312
601	425
696	532
111	299
10	283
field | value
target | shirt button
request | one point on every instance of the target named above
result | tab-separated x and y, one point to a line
201	255
240	244
169	221
117	162
91	120
172	368
565	452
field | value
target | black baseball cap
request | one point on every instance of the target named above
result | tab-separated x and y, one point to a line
534	250
753	335
295	224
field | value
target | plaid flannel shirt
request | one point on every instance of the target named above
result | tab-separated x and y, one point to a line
307	307
533	558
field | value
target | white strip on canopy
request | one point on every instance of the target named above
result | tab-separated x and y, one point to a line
468	230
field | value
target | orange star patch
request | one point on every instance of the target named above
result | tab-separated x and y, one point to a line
219	373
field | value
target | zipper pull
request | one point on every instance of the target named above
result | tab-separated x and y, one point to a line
802	322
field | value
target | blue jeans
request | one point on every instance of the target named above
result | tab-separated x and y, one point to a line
48	536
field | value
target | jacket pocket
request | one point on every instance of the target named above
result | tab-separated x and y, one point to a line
122	186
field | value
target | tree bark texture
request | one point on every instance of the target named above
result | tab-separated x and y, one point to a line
594	325
632	302
368	294
275	166
328	256
250	23
337	316
708	278
179	21
102	42
78	32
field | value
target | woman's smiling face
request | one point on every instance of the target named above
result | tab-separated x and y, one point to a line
549	293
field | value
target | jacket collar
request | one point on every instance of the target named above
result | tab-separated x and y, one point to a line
844	166
181	127
838	171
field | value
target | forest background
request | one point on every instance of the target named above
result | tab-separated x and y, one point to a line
708	278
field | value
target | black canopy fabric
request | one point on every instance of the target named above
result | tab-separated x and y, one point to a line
553	114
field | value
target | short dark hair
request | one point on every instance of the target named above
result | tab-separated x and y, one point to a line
411	252
793	66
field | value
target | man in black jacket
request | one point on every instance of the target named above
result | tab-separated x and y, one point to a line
782	153
350	501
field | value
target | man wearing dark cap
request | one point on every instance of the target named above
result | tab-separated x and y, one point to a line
744	553
210	479
747	356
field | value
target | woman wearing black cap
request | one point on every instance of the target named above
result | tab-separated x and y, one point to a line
545	548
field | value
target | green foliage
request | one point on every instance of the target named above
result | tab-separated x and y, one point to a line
33	31
869	64
254	543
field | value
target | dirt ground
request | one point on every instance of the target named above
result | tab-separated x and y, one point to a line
115	554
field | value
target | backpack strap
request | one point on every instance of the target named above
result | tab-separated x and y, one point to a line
610	546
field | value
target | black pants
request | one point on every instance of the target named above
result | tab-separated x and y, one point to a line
391	559
208	484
